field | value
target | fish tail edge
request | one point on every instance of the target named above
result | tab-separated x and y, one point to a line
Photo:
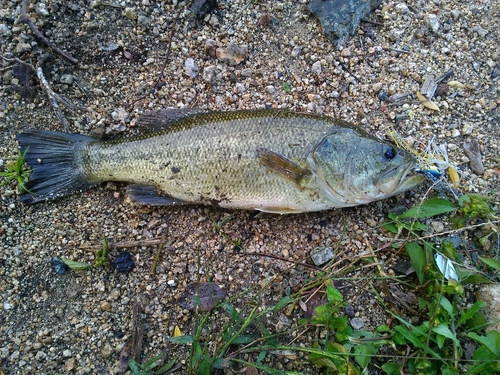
56	162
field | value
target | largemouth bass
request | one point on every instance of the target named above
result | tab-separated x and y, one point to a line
271	161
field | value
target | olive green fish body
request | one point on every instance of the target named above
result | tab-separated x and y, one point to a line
265	160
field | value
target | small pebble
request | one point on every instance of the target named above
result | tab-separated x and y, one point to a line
124	262
432	22
130	13
5	30
209	73
316	67
297	51
473	151
190	67
321	255
437	226
233	54
23	47
357	323
67	79
119	114
59	266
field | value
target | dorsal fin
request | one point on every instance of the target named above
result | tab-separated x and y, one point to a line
155	121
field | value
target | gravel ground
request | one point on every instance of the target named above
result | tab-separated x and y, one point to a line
79	322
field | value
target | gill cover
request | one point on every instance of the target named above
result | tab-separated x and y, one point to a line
353	169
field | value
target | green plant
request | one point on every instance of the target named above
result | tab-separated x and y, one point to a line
148	367
437	343
16	171
101	255
215	347
343	351
472	206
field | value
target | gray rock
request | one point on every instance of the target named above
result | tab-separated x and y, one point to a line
233	54
340	18
67	79
23	47
357	323
296	51
316	67
209	73
432	22
119	114
321	255
201	8
190	67
5	30
131	13
473	151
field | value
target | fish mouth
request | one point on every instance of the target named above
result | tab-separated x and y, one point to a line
395	180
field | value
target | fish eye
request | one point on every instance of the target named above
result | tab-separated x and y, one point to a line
390	153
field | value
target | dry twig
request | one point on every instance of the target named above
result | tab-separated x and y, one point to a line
25	19
54	98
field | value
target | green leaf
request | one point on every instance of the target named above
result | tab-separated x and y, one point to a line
151	363
282	303
391	368
469	313
333	294
221	363
365	354
167	366
77	266
391	227
489	341
286	88
493	263
429	208
446	304
231	311
410	336
468	276
134	366
181	340
261	356
244	339
418	259
444	331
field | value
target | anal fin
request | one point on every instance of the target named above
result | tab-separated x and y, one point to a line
149	195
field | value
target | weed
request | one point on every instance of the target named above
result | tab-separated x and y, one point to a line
344	351
472	206
101	255
148	367
219	348
16	171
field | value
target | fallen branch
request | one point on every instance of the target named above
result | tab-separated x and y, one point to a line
54	98
25	19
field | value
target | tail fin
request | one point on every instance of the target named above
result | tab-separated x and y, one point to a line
56	162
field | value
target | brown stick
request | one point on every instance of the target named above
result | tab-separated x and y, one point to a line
25	19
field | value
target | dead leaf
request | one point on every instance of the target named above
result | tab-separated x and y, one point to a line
426	102
177	331
456	85
201	296
454	176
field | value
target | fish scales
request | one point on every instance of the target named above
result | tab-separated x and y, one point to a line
273	161
214	159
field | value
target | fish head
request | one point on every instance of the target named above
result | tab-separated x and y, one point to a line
354	168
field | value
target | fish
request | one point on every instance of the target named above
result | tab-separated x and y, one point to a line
272	161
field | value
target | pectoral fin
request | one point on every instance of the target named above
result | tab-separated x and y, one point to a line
146	194
282	166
